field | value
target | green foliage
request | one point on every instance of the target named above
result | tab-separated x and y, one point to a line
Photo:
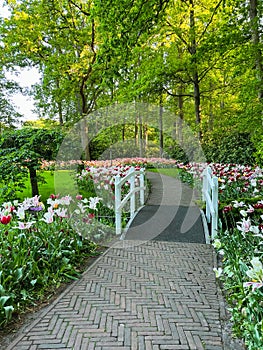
41	123
173	150
258	143
12	175
42	246
32	145
8	114
125	25
105	139
122	140
199	56
231	147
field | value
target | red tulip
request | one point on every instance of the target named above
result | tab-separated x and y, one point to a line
5	219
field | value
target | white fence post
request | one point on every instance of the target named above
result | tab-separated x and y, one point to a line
142	186
132	187
210	196
117	205
215	206
119	202
204	188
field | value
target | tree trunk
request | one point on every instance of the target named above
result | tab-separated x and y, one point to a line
85	138
145	133
211	112
195	76
59	104
33	181
197	104
123	132
60	114
136	131
179	124
254	19
83	123
161	127
141	151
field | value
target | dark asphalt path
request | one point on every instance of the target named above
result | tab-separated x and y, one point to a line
170	214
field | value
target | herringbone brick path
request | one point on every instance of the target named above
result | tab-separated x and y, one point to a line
139	296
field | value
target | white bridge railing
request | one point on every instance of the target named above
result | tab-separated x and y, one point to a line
210	196
119	202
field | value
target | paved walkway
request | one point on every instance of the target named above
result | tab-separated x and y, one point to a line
142	293
171	213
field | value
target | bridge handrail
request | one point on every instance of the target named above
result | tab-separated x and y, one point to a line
119	202
210	196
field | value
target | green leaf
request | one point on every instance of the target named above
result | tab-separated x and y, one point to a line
2	290
18	274
3	300
33	282
24	294
8	312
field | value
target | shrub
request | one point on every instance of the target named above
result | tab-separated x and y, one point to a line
231	147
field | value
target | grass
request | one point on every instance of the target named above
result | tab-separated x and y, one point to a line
59	182
173	172
183	176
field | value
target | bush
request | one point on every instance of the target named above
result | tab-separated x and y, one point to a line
258	142
230	148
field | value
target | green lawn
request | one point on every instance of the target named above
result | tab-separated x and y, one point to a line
59	182
179	174
173	172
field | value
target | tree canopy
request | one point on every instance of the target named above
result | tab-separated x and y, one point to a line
200	59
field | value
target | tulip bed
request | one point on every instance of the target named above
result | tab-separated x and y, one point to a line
42	246
239	244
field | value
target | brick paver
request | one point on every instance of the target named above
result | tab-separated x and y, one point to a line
139	296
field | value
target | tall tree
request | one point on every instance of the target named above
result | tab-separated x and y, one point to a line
192	26
9	117
255	37
60	38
